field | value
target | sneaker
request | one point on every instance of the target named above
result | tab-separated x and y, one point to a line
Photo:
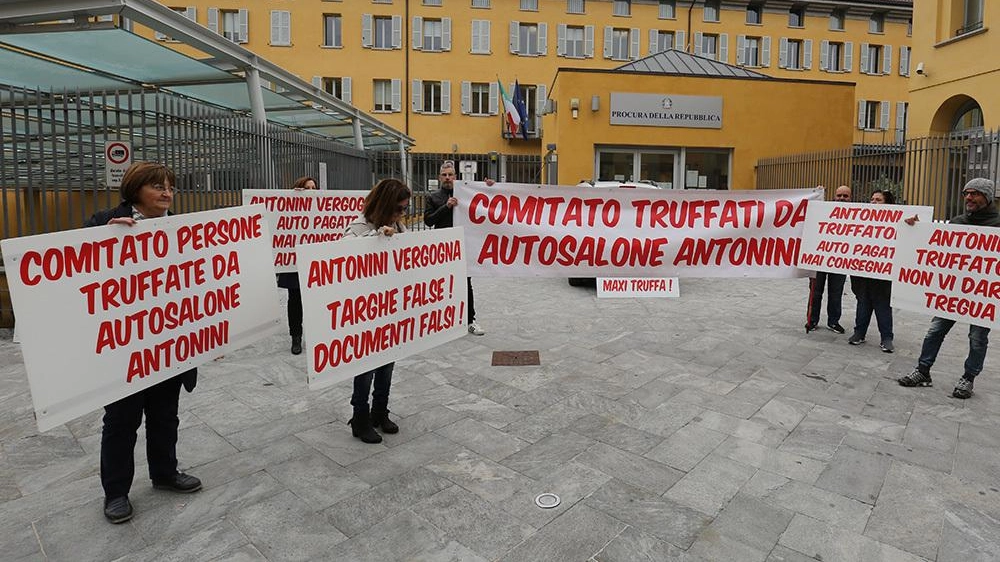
475	329
810	327
833	326
887	346
856	339
916	378
963	389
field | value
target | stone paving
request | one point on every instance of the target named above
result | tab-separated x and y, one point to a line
706	428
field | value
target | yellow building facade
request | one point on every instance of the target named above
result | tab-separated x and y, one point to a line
688	131
430	68
956	70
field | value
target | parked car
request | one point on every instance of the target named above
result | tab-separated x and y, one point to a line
603	184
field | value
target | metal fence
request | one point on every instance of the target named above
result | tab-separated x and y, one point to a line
422	172
922	171
52	163
52	154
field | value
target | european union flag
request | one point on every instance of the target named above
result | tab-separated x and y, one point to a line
522	110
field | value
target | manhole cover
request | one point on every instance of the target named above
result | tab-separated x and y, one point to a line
547	500
515	358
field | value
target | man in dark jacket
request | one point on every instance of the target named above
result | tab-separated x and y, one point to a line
438	213
980	210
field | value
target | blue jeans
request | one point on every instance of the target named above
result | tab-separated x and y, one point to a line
382	377
978	342
833	300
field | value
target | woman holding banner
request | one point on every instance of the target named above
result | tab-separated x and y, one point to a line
147	191
873	296
382	216
290	281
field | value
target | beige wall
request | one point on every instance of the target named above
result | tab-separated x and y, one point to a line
761	118
474	134
956	68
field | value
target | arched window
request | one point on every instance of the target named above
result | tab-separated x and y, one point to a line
968	117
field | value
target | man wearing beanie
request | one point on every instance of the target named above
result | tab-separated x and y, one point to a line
980	210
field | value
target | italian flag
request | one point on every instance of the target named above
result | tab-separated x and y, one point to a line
510	114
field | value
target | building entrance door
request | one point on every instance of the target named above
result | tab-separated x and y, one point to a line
630	165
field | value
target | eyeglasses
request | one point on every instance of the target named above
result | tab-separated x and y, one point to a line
160	188
402	208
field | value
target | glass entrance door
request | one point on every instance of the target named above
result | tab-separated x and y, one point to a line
629	165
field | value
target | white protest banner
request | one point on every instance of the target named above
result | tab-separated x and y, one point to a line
948	270
611	287
105	312
304	217
370	301
521	230
854	238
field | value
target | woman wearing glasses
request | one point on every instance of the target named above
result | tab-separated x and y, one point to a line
290	281
383	214
147	191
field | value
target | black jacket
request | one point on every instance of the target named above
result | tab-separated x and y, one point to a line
984	217
437	213
190	378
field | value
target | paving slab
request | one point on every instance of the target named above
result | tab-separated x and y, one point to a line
699	429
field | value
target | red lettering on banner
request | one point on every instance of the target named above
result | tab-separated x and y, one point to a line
362	308
218	233
145	362
331	222
874	251
423	293
283	241
427	255
353	347
854	229
788	213
292	222
915	277
866	214
687	214
981	287
649	285
90	257
151	283
832	247
120	332
284	258
586	251
329	204
738	251
962	306
970	240
988	265
348	268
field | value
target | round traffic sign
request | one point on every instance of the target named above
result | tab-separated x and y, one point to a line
118	153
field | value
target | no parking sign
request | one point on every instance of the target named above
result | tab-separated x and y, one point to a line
117	159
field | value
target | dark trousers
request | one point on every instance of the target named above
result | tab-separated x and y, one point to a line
382	378
121	422
471	302
833	299
295	313
874	295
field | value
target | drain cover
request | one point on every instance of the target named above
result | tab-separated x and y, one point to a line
515	358
547	500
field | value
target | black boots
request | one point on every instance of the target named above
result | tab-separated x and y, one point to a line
380	419
296	345
361	427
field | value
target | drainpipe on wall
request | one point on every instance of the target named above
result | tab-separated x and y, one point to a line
405	43
689	37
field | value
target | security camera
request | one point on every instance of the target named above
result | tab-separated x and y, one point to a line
920	68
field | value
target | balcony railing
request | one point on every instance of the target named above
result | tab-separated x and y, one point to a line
969	28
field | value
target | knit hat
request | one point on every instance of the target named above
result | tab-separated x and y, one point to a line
982	185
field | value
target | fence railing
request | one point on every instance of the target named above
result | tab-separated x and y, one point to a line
422	172
52	168
922	171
